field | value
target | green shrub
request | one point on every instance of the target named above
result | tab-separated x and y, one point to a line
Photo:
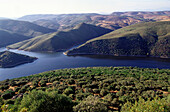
9	101
1	101
68	91
42	83
46	102
108	97
156	105
17	89
103	92
96	90
71	82
91	104
8	94
72	96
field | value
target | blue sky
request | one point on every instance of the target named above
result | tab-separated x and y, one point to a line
18	8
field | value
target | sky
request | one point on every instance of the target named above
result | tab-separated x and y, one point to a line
18	8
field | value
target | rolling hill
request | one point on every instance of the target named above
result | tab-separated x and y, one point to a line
36	17
68	21
24	28
144	39
136	13
112	21
52	24
62	40
7	38
9	59
156	15
2	18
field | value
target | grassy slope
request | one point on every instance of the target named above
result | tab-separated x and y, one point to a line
7	38
10	59
150	38
24	28
61	40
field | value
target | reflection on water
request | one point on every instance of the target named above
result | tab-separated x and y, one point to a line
52	61
124	57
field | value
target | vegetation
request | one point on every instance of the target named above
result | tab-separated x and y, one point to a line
45	102
144	39
60	41
10	59
156	105
91	104
96	89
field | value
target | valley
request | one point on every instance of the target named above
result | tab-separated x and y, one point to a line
50	61
62	40
85	62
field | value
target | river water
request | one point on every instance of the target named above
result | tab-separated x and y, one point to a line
52	61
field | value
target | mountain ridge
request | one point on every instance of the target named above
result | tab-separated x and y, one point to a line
7	37
143	39
61	40
112	21
24	28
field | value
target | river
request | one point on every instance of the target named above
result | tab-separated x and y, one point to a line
52	61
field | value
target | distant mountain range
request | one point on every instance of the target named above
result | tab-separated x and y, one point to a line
62	40
3	18
113	21
36	17
69	21
12	31
157	15
9	59
24	28
52	33
135	13
7	37
144	39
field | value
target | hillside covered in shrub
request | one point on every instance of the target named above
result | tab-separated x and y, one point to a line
91	89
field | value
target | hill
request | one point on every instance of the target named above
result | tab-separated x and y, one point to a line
91	89
156	15
24	28
63	40
9	59
144	39
52	24
36	17
3	18
136	13
7	38
69	21
112	21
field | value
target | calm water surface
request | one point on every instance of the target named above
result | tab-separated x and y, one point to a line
52	61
